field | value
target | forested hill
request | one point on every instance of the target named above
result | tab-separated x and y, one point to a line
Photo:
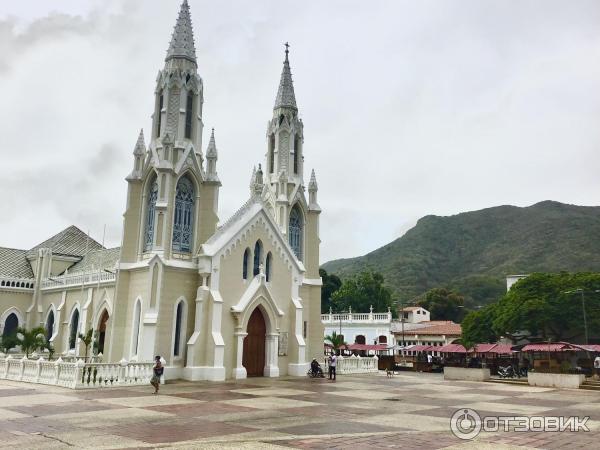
473	252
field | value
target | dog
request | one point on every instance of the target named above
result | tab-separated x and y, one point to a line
389	373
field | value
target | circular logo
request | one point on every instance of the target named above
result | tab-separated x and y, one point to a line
465	423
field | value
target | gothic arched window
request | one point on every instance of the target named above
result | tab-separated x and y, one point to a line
257	257
183	222
150	215
178	324
161	102
245	264
268	264
73	329
296	153
271	153
50	325
10	325
295	229
189	108
137	318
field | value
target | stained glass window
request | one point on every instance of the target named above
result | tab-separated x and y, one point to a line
268	264
178	319
150	215
183	222
295	232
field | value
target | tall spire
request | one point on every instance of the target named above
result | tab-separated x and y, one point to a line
312	185
285	94
182	41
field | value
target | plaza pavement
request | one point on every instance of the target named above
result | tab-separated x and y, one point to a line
362	411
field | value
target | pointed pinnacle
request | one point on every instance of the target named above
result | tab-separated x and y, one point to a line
182	40
211	152
285	94
312	185
253	177
140	145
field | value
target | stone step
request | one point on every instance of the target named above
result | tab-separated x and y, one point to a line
590	387
520	381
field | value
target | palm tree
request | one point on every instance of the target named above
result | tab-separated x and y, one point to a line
336	341
88	339
31	340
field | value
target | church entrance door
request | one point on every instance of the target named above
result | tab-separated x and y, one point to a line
253	358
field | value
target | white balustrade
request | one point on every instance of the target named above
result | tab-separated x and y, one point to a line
75	375
356	364
79	279
357	318
16	283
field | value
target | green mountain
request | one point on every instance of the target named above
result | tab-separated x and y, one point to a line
473	252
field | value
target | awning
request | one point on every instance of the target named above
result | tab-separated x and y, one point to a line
367	347
451	348
591	347
499	349
551	347
421	348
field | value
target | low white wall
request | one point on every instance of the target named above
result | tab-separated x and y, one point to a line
466	374
558	380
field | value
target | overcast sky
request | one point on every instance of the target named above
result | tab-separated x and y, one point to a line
409	107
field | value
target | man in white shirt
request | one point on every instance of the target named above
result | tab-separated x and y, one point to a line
332	366
597	365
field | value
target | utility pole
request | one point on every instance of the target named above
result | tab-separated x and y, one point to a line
585	326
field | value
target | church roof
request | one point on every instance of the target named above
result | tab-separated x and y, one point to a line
13	263
69	242
182	40
105	258
285	94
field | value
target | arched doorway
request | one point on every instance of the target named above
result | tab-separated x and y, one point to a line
102	331
50	325
253	358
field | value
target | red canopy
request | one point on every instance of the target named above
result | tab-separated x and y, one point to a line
500	349
420	348
367	347
451	348
591	347
551	347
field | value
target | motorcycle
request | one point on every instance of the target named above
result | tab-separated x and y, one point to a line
506	372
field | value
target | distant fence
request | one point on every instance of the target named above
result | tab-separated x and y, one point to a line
76	375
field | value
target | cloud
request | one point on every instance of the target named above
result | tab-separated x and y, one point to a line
410	108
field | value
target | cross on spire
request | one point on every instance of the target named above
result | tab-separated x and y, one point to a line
287	50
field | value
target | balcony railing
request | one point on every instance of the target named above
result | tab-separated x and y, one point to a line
357	318
79	279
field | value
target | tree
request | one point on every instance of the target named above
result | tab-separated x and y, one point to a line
88	339
443	304
31	340
8	342
336	341
331	283
477	327
545	306
361	292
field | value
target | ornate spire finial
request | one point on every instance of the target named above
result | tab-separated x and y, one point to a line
211	152
182	41
312	185
285	94
140	145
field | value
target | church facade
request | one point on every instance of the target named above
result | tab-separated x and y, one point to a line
216	300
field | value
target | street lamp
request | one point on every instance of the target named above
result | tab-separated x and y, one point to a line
582	292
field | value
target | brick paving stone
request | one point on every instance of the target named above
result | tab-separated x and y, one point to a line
203	409
62	408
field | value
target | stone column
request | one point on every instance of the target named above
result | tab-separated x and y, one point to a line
239	371
271	357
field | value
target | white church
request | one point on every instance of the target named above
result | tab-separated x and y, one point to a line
216	300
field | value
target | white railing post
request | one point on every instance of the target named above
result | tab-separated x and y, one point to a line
22	368
123	371
79	373
38	369
6	366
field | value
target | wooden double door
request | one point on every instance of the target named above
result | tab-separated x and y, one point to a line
253	358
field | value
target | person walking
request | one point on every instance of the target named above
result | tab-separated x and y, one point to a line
158	371
332	366
597	365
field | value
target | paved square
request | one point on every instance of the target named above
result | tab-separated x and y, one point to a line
411	410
